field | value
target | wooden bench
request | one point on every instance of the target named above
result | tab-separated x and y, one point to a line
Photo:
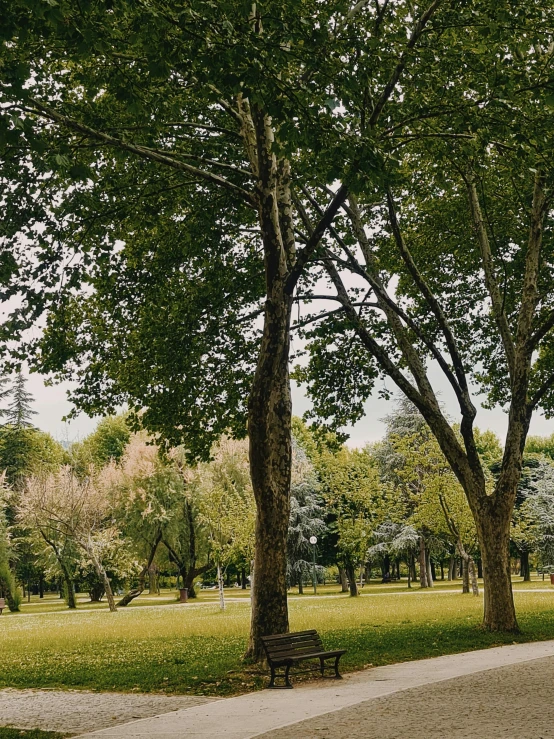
2	604
284	650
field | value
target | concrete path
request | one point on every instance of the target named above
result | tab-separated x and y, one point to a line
327	707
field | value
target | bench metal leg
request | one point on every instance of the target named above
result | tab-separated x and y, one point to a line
337	674
287	684
287	681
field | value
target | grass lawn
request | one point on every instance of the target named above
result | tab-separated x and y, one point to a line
195	648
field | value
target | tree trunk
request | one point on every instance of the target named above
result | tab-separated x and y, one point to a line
452	567
69	587
465	576
430	570
525	569
413	567
493	529
96	592
473	577
243	578
422	564
442	569
352	580
102	574
220	587
152	580
269	430
480	569
135	592
343	580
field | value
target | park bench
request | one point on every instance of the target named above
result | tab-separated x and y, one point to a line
2	604
285	650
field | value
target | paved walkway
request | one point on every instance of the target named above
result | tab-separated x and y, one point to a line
78	711
501	692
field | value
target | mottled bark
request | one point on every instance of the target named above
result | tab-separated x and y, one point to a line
494	539
343	580
465	575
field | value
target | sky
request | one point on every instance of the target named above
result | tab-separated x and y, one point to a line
52	405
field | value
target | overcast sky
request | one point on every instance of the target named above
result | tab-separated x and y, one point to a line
52	405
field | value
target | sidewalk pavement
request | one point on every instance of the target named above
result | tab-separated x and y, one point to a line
254	714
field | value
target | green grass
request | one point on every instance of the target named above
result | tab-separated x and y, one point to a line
32	734
197	648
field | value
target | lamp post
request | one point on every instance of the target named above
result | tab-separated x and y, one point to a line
313	542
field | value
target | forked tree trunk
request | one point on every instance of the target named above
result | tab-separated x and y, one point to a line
102	574
352	586
135	592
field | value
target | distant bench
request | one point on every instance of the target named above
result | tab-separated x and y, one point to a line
2	604
285	650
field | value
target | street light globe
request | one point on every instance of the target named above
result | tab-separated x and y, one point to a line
313	539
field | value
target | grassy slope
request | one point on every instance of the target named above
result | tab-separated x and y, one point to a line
197	648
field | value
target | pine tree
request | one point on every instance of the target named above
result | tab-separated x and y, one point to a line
5	392
19	412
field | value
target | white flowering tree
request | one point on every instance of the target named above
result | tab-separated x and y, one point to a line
78	510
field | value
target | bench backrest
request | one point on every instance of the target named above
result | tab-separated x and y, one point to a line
2	603
281	646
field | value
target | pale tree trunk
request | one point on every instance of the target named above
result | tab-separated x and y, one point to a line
452	567
220	587
429	570
473	577
102	574
465	575
343	580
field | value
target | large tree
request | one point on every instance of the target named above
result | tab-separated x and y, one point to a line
451	260
228	105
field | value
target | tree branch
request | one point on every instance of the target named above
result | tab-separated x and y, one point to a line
305	254
391	84
490	279
143	152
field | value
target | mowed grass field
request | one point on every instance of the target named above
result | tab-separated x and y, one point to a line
157	645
